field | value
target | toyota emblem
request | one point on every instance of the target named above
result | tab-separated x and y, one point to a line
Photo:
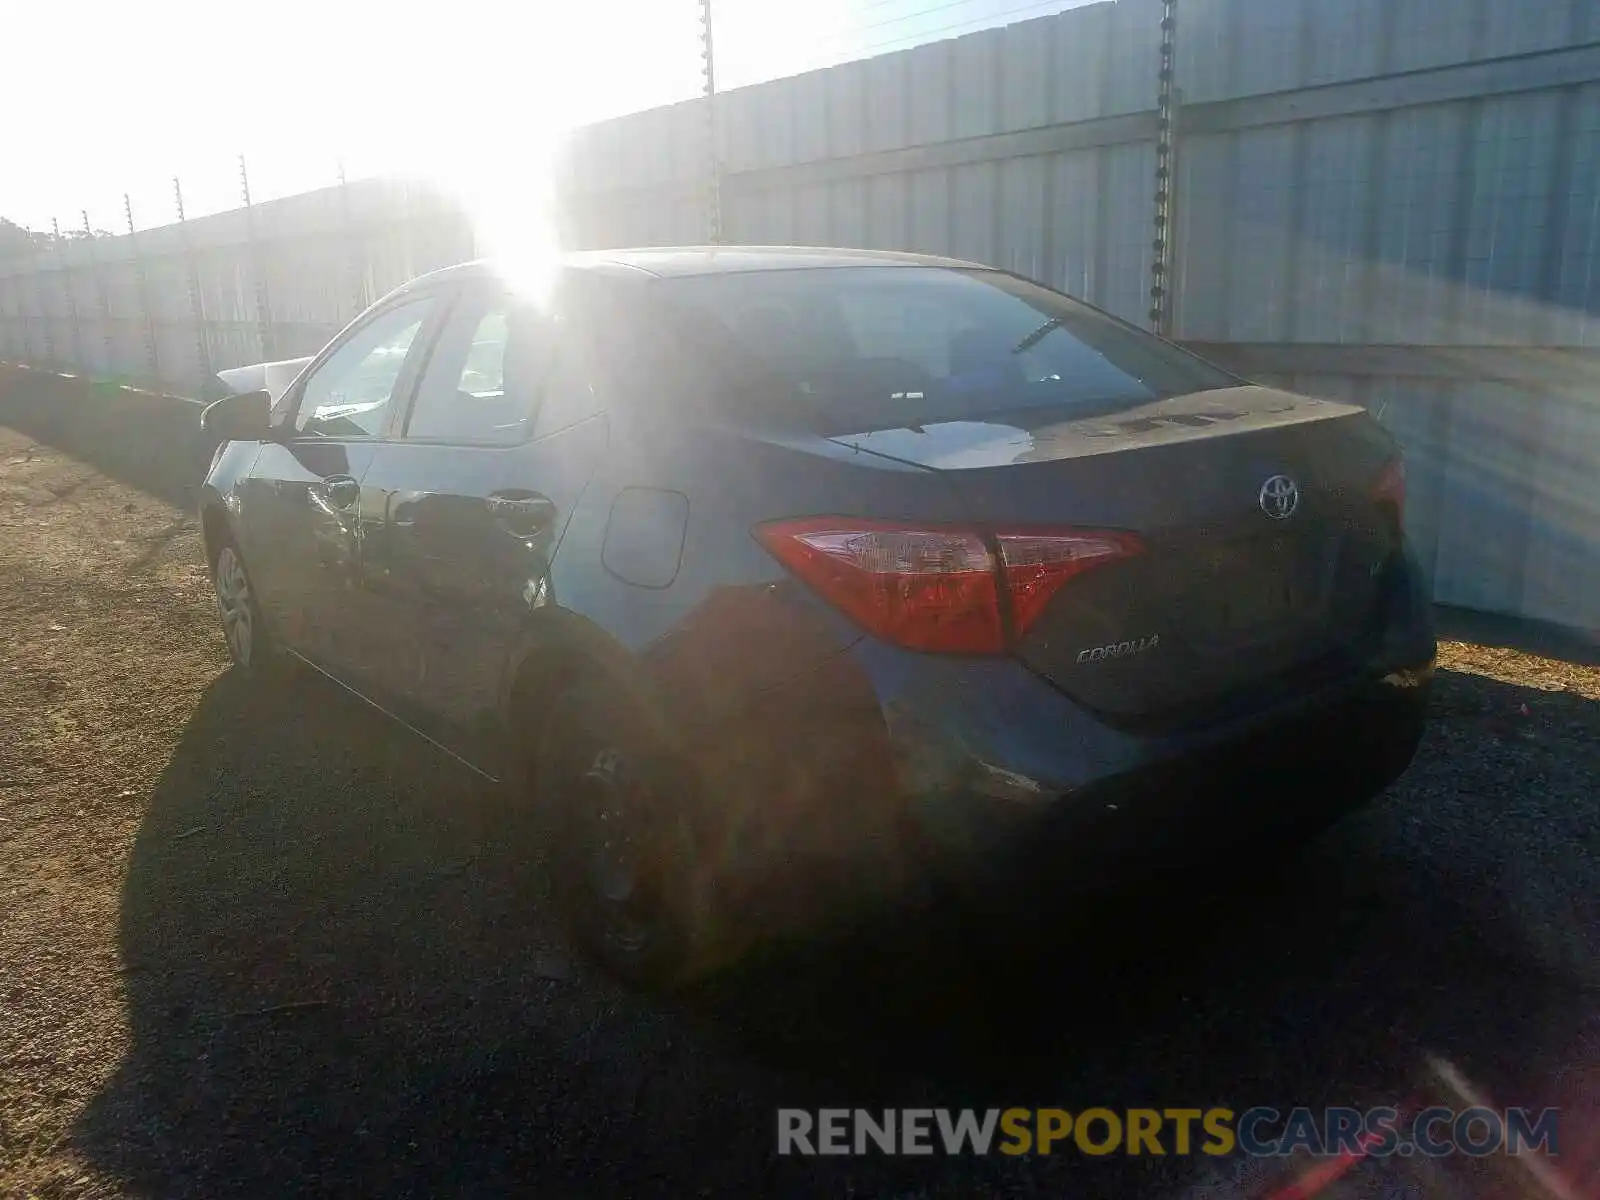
1279	497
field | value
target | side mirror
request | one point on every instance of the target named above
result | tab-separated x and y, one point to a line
246	417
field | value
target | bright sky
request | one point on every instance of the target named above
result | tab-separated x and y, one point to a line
104	97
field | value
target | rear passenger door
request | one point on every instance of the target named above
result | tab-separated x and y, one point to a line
473	505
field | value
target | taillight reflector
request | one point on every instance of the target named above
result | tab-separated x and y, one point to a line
1390	487
937	588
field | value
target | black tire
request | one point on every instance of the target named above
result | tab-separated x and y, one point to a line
623	863
255	653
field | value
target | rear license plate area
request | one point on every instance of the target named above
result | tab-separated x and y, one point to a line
1258	600
1252	591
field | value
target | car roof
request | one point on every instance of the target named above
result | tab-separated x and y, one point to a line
712	260
673	261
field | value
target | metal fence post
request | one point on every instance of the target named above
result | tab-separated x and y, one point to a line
264	330
355	259
191	272
408	230
21	305
1162	284
104	291
18	343
6	320
45	330
64	272
713	158
141	284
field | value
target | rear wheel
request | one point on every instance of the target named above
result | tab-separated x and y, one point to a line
624	864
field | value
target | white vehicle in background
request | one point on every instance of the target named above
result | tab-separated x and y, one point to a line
273	377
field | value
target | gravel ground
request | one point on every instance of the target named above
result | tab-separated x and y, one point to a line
256	944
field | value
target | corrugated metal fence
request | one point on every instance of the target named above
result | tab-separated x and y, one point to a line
1396	201
177	303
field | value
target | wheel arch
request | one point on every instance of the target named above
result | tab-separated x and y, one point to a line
558	650
215	529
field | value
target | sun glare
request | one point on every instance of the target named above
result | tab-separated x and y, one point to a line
512	219
490	140
493	85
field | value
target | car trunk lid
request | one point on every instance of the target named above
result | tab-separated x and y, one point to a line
1263	549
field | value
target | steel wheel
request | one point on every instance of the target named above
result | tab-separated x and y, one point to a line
622	851
624	859
236	605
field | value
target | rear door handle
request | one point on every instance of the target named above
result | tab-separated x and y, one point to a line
521	512
341	491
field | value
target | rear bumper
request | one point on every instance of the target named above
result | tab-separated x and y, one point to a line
985	774
999	772
883	764
997	767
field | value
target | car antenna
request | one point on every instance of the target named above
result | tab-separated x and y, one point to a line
1038	335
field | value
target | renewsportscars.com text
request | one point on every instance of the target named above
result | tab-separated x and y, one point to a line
1259	1132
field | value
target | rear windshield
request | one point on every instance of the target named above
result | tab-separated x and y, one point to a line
842	349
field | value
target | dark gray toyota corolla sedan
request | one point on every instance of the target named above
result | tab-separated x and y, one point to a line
775	576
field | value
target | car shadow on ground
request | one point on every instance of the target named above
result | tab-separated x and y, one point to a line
342	979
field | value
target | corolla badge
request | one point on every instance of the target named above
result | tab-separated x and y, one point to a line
1119	649
1279	497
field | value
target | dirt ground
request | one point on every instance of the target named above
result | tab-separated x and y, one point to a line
259	943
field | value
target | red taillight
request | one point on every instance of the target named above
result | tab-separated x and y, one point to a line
924	588
932	587
1390	487
1037	564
